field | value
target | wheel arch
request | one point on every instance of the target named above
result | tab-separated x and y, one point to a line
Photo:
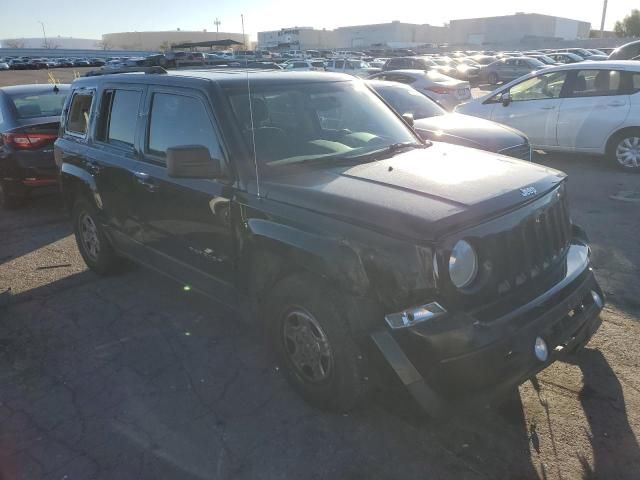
609	145
75	181
272	251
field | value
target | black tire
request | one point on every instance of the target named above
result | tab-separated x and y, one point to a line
493	78
103	259
342	388
8	201
626	141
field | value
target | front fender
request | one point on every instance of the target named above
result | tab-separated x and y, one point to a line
332	258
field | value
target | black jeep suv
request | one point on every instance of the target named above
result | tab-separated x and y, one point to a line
303	201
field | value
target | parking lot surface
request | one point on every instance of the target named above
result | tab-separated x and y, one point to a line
132	377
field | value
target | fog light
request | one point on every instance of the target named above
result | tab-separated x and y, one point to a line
597	299
541	350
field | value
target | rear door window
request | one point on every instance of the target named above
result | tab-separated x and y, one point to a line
118	117
596	83
180	120
79	110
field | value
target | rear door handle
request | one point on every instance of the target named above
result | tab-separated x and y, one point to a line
146	181
548	107
616	104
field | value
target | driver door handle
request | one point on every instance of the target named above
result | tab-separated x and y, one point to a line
146	181
548	107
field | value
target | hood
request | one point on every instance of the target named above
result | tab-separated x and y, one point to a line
421	194
469	131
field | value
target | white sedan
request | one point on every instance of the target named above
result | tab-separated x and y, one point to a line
590	107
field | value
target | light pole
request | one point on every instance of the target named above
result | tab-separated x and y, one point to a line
604	15
44	34
217	23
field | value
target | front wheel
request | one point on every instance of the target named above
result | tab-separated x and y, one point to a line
625	150
313	344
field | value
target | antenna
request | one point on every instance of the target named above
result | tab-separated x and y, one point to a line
253	130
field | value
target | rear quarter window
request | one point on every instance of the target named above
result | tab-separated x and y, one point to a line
78	117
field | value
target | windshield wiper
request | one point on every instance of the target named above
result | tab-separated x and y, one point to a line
394	149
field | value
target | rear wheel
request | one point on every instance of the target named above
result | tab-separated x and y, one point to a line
624	150
493	78
313	344
94	246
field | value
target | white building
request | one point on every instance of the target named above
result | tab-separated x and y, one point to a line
394	34
155	41
516	28
297	38
51	42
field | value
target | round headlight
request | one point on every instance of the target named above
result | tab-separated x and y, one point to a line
463	264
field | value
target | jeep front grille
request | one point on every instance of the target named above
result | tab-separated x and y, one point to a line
533	246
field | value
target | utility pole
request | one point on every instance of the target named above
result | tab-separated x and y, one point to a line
604	15
217	23
44	34
244	39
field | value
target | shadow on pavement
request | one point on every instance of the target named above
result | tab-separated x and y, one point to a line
492	442
40	221
616	453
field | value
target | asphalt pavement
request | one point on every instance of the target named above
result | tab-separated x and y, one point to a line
131	377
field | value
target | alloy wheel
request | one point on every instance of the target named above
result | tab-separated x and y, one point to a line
89	236
307	346
628	152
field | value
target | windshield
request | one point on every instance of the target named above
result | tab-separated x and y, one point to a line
34	105
573	56
545	59
297	123
535	63
357	64
404	99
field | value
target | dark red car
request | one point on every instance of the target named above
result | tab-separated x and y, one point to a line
29	122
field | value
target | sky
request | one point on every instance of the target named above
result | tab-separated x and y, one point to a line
92	18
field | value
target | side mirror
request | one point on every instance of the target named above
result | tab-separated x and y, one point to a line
192	161
506	99
408	117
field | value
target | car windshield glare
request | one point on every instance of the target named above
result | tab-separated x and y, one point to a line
436	76
404	99
308	121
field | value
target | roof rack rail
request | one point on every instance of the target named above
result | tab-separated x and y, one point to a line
113	71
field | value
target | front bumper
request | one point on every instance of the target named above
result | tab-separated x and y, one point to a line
458	361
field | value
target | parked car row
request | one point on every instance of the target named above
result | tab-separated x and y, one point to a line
27	63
